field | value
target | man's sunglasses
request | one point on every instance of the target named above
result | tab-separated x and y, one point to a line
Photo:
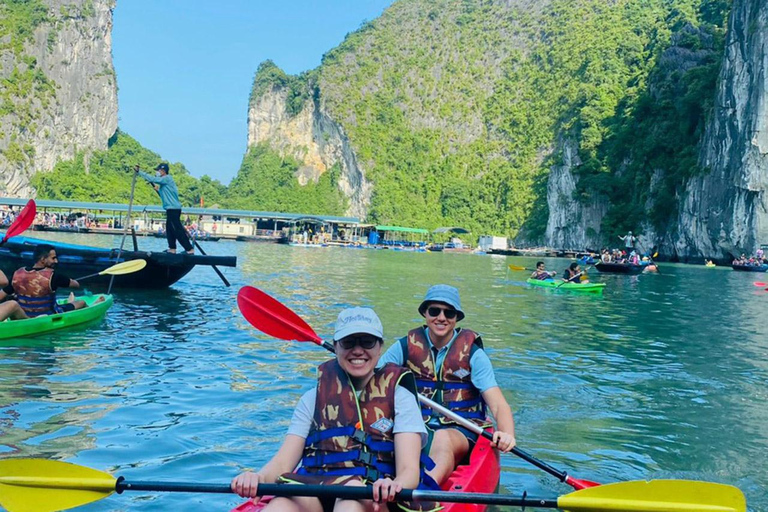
434	312
365	342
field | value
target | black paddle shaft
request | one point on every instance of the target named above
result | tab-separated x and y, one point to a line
341	491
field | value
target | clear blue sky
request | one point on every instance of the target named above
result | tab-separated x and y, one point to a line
185	68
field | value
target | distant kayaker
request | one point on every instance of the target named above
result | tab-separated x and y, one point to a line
629	241
169	195
348	428
439	352
35	286
541	273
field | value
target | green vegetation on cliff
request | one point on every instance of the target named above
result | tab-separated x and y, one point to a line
457	109
109	174
24	89
267	182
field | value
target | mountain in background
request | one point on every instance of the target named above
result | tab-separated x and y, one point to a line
560	122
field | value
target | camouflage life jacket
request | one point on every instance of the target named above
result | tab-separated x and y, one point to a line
453	387
33	291
352	436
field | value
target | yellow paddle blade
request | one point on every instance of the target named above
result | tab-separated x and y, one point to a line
39	485
126	267
656	496
516	267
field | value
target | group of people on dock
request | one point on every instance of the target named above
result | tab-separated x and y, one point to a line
363	425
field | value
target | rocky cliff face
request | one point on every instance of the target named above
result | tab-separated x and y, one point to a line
59	91
311	137
571	224
725	212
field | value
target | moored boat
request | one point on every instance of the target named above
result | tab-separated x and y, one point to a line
162	270
750	268
618	268
480	475
571	287
47	323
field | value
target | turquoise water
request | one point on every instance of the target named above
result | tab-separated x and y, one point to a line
664	376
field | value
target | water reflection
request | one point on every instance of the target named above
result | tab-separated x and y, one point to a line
663	376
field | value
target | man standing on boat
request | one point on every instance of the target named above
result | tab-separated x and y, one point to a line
169	194
452	369
35	287
629	241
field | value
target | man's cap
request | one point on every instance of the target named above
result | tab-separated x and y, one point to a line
163	166
358	321
443	293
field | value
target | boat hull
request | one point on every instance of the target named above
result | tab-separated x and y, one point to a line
162	270
750	268
618	268
47	323
570	287
480	475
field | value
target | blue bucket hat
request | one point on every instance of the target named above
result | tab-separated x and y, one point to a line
443	293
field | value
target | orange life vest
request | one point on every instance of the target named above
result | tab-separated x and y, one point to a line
34	292
453	387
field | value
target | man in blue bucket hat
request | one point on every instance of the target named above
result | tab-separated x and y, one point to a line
452	369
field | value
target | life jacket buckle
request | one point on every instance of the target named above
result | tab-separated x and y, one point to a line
366	458
359	436
371	474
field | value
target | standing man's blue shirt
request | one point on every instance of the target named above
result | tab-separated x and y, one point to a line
169	194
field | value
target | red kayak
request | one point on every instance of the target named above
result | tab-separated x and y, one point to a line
480	475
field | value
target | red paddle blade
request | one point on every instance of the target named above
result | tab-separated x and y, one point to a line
761	285
580	484
271	317
22	222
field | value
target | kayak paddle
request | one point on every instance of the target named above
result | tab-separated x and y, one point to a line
22	222
270	316
39	485
126	267
215	268
516	267
761	285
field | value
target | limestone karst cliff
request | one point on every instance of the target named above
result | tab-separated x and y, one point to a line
58	93
725	211
310	136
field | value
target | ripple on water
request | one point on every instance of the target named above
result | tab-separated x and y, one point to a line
663	376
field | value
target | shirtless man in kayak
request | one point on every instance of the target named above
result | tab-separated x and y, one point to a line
35	287
440	354
388	426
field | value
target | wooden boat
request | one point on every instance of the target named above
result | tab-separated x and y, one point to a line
570	287
162	270
47	323
618	268
480	475
750	268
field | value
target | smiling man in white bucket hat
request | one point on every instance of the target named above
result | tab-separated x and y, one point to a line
452	369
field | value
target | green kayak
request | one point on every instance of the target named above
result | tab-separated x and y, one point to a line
571	287
42	324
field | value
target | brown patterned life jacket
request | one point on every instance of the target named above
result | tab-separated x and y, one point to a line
351	435
453	387
33	291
